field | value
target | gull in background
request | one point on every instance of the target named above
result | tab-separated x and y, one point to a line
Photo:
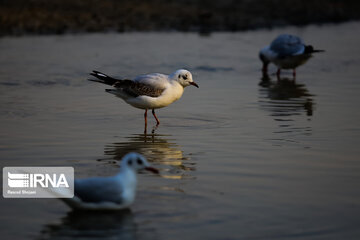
286	52
151	91
109	193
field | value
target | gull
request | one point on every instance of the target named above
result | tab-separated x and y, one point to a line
286	52
150	91
109	193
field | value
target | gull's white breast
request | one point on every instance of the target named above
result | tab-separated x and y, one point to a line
129	181
172	92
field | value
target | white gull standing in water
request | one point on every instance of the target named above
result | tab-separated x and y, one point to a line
109	193
151	91
286	52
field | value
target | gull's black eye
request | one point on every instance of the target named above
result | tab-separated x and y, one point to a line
185	77
139	161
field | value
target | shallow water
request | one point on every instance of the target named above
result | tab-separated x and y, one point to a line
242	157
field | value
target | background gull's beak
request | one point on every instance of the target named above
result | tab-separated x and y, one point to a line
194	84
151	169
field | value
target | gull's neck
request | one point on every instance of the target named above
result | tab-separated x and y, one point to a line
127	177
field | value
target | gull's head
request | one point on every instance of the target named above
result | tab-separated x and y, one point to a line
184	77
137	162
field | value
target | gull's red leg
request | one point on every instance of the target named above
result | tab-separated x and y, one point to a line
265	68
294	73
157	120
278	72
145	117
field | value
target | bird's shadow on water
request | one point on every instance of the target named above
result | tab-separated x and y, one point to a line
162	151
287	101
97	225
285	97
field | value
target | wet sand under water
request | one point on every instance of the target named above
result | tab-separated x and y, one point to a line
242	157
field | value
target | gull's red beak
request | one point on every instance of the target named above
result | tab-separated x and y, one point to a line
194	84
151	169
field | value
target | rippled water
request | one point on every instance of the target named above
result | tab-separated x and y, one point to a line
245	156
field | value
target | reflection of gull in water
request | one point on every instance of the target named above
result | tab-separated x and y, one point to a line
97	225
285	97
157	149
287	100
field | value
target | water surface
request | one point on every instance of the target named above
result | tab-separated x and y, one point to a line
242	157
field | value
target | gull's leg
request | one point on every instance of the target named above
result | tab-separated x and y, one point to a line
157	120
265	68
145	117
278	72
294	73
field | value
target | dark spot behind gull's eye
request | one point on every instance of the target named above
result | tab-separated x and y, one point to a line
130	163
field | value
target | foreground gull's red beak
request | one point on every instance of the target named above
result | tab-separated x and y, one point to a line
194	84
151	169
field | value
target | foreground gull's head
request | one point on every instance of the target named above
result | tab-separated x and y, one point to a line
184	77
136	162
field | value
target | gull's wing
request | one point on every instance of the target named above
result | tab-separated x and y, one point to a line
153	80
136	89
151	85
99	189
287	45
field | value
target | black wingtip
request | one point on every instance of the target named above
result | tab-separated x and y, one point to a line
103	78
97	73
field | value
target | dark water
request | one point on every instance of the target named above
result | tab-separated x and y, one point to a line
242	157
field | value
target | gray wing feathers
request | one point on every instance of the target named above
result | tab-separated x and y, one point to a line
136	89
97	190
151	85
287	45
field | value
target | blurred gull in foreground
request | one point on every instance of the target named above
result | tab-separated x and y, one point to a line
151	91
286	52
109	193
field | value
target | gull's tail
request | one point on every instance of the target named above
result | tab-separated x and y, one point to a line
310	49
103	78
